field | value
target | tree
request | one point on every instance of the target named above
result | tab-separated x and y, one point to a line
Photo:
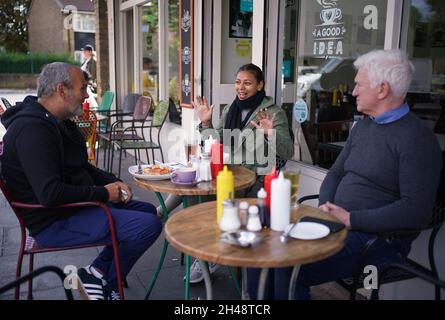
14	25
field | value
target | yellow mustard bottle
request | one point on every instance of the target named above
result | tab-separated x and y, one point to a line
224	190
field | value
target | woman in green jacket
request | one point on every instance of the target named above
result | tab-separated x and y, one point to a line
251	111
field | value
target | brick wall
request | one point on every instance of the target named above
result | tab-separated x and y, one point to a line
18	81
46	32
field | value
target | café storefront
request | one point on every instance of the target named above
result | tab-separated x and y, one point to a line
306	49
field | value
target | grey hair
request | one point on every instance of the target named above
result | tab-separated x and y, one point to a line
53	74
391	66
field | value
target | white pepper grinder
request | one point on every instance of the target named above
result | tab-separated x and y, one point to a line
280	203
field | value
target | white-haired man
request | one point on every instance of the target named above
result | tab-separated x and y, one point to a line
385	179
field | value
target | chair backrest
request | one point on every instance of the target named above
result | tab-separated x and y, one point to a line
173	113
106	101
331	131
130	102
6	103
87	124
142	108
160	113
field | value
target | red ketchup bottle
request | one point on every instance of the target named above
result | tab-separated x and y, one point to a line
216	158
267	185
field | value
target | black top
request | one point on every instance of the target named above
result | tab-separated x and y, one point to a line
45	161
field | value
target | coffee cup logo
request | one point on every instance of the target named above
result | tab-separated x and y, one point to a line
330	16
329	34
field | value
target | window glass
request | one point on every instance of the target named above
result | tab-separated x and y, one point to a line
425	44
318	58
150	50
173	50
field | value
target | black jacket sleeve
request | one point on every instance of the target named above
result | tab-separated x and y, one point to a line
38	147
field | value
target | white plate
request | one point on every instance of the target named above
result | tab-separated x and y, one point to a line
308	231
134	169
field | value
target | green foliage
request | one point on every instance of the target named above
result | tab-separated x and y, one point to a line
14	62
14	25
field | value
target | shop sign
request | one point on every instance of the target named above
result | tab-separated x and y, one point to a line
329	35
186	53
300	111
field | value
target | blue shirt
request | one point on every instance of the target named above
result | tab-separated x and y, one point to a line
392	115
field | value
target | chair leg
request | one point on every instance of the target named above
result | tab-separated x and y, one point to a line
162	154
31	269
110	156
18	273
120	162
148	158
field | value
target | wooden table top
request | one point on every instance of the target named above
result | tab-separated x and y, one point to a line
194	231
243	178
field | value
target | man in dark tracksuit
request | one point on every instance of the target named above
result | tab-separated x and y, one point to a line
45	162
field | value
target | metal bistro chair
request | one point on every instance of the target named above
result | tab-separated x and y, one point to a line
327	132
29	246
156	123
126	129
35	273
116	131
87	124
408	268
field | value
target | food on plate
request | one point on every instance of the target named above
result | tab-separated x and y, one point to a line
157	170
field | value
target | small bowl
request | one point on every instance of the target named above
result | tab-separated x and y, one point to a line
242	238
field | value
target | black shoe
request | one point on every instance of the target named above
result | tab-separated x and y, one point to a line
113	294
90	287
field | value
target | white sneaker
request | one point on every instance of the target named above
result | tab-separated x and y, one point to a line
196	274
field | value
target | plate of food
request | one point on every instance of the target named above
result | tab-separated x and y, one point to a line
151	172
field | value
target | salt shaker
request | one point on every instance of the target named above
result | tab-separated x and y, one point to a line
243	213
229	221
205	173
254	223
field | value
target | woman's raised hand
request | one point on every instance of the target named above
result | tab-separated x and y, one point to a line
204	111
263	122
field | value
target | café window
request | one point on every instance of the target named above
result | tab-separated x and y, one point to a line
318	64
424	40
150	50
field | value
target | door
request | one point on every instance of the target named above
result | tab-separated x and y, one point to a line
231	48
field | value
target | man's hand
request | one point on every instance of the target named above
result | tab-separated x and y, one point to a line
116	194
338	212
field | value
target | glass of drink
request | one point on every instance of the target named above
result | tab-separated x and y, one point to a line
294	177
191	149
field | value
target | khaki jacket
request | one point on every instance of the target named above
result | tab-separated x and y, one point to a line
249	148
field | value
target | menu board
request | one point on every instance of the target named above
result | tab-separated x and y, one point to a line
186	53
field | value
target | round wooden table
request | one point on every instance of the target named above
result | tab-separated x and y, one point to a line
195	232
243	179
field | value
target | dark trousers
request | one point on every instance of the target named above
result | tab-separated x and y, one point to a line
341	265
137	228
